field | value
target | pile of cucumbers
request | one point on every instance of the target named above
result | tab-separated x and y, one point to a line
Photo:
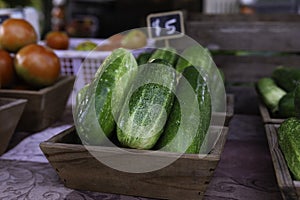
281	93
278	91
115	105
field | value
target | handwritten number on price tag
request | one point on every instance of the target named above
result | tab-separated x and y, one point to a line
170	26
166	25
155	24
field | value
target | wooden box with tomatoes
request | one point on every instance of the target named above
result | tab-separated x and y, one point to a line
32	71
44	106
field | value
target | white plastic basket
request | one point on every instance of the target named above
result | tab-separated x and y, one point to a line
85	62
71	60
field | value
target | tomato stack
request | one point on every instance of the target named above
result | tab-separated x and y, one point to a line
23	62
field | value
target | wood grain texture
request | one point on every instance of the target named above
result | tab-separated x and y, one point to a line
43	106
246	69
10	113
195	16
266	117
284	179
255	35
188	176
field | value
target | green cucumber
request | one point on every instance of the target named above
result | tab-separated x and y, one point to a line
194	56
187	140
166	56
286	105
146	108
143	58
270	92
289	141
297	101
95	111
286	77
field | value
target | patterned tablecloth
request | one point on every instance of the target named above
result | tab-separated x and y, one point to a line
245	170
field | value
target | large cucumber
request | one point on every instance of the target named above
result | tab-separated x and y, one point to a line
146	108
286	77
270	92
186	139
289	141
297	101
286	105
95	110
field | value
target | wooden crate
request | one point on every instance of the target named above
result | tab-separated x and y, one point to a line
10	113
229	109
187	177
44	106
290	189
266	115
270	40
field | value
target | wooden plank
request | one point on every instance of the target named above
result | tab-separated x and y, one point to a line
194	16
188	176
284	179
246	69
297	186
253	36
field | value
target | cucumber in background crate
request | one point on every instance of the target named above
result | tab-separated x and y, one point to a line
94	111
142	119
187	140
286	105
270	92
289	141
286	77
297	101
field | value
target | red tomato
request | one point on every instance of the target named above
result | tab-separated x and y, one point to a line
37	65
16	33
7	74
57	40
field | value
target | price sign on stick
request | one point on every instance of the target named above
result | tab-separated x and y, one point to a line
166	25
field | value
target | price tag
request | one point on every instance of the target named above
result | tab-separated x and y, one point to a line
3	18
165	25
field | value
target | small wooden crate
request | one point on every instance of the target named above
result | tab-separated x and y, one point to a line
44	106
187	177
266	116
10	113
290	189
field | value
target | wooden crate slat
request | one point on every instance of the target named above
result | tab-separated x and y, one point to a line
284	179
252	36
265	114
43	106
245	69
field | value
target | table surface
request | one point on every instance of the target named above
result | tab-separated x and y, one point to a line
245	170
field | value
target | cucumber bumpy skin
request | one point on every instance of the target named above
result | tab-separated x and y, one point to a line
95	111
141	125
187	141
289	141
